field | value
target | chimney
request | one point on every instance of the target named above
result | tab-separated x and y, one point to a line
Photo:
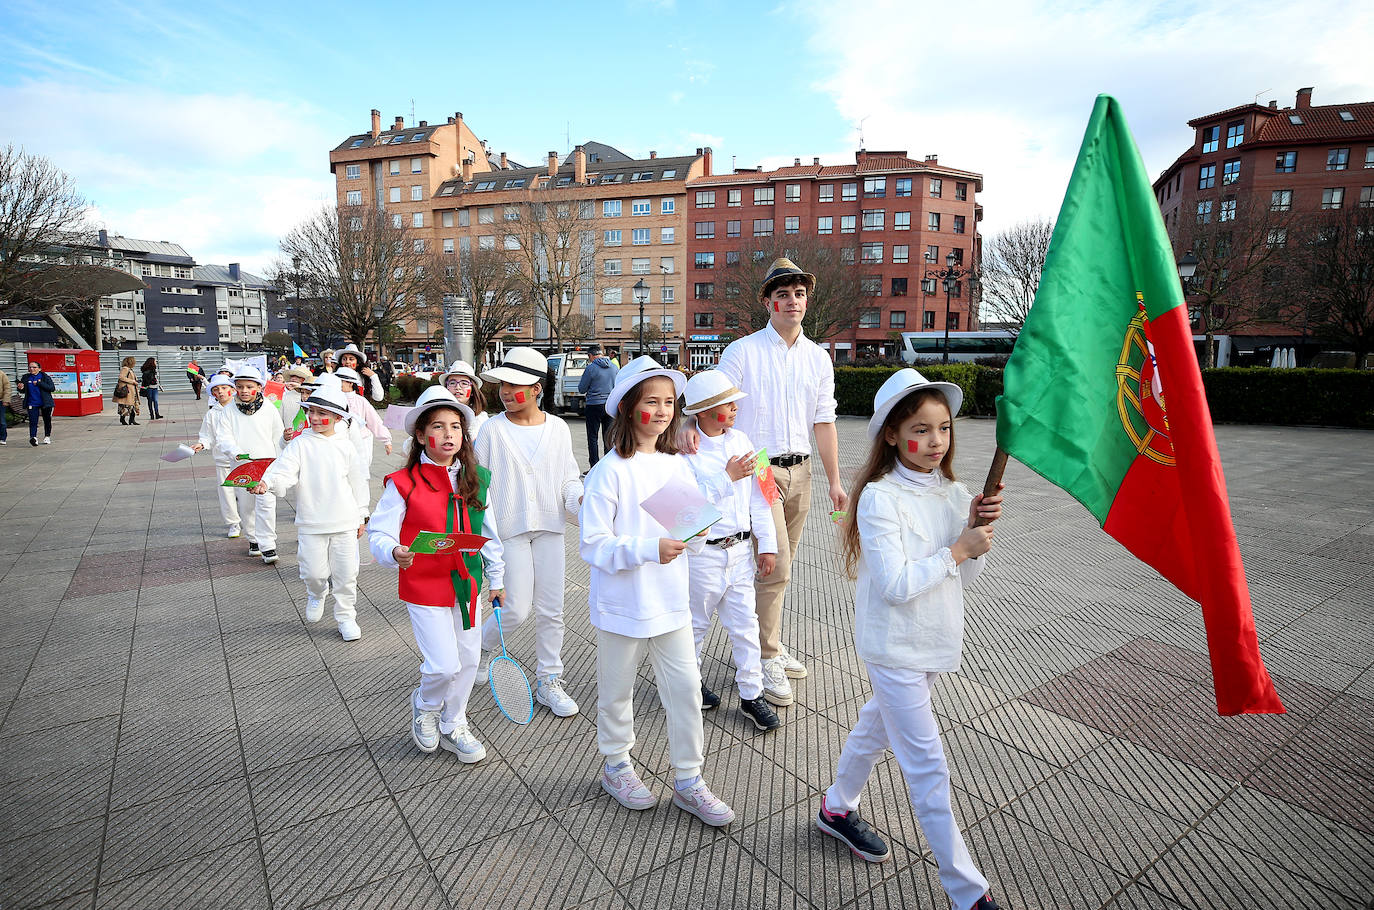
234	271
424	123
400	124
796	162
376	122
1304	97
579	165
450	120
816	161
467	168
932	159
1273	105
503	161
706	157
104	237
457	116
553	165
653	155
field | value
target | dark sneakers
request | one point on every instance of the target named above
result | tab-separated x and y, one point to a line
253	548
987	903
761	713
856	834
709	699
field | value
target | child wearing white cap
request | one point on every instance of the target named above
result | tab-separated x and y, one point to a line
362	410
221	393
639	588
331	505
461	379
722	575
251	427
535	483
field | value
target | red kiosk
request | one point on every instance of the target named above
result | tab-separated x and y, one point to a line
75	377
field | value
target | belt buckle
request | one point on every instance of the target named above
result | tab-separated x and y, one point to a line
729	542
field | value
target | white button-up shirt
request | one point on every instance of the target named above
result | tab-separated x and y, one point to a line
788	389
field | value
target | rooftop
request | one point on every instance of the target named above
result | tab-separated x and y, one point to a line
219	274
626	171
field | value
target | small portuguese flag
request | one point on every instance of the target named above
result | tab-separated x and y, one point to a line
1103	349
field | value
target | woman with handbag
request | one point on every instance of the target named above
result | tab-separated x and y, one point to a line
126	392
6	390
151	388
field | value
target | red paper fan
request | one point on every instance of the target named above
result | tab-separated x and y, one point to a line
248	473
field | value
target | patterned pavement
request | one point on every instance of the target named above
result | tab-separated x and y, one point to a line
173	734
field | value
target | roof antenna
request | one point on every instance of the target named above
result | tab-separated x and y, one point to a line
1265	92
861	131
412	111
567	136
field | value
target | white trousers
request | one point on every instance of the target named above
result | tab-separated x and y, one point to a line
534	578
722	583
679	689
327	559
228	498
261	527
899	717
450	664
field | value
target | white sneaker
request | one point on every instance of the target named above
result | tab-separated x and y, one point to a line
349	630
483	665
705	805
776	688
424	725
314	609
791	666
47	441
234	532
548	691
463	744
624	784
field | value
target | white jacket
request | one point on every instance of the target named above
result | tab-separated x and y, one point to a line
909	600
331	489
257	434
741	503
530	495
209	431
632	593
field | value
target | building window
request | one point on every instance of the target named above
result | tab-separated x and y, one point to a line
611	267
1278	237
416	165
641	207
1204	212
1280	200
417	193
937	187
732	229
899	290
932	254
1228	210
352	171
667	206
901	253
666	320
872	253
486	215
847	224
961	192
791	224
396	221
610	238
958	224
354	197
703	320
705	260
933	221
733	197
732	257
611	323
706	230
667	235
763	227
1210	136
1332	197
849	192
354	224
928	320
665	265
875	187
395	167
903	187
952	320
610	208
419	245
611	296
793	192
825	224
763	195
847	255
1230	172
1366	197
1207	176
1285	162
464	217
448	244
901	221
873	219
640	236
1369	156
927	286
826	193
706	199
870	317
447	219
639	266
486	242
667	295
1337	159
1235	133
394	194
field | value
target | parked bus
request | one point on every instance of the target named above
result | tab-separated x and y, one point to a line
929	347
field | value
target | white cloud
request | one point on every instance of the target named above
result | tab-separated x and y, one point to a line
1006	88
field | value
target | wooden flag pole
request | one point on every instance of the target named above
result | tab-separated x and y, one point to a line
999	464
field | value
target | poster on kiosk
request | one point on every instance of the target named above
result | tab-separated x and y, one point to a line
75	378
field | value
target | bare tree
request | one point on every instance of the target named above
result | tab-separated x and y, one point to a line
833	306
367	268
1013	261
1335	279
554	238
492	283
1235	246
40	214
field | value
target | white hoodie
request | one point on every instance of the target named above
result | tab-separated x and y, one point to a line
331	489
257	434
209	434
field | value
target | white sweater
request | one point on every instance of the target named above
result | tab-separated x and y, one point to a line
209	434
530	495
632	593
257	434
909	600
331	489
741	503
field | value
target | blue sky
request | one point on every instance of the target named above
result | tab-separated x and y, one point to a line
210	124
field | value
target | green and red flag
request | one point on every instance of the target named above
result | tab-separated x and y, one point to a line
1105	345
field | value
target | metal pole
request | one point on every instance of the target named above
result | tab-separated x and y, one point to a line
949	283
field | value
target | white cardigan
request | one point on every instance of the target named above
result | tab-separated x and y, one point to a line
909	600
529	495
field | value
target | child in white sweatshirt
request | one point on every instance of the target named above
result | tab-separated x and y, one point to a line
221	393
366	415
639	589
331	505
250	426
534	482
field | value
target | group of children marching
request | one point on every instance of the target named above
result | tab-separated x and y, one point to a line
912	541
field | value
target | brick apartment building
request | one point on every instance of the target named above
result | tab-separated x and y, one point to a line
1273	161
893	216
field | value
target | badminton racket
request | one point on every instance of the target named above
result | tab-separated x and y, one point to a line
509	685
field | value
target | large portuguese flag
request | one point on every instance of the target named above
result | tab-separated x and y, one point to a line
1105	346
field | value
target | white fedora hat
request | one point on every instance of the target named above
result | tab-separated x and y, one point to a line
901	384
347	374
708	389
434	397
635	372
329	395
249	372
520	366
220	379
459	368
351	348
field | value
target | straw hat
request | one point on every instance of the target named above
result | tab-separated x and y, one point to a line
328	395
785	268
459	368
248	372
708	389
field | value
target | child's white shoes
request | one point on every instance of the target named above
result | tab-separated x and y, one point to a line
705	805
424	725
791	666
625	786
463	744
349	631
235	532
314	609
549	692
776	688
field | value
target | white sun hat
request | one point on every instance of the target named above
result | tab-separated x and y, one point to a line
249	372
901	384
459	368
350	349
521	366
433	397
347	374
220	379
708	389
329	395
635	372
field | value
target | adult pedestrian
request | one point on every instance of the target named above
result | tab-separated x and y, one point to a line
126	393
37	388
790	384
196	376
6	390
598	378
150	387
386	372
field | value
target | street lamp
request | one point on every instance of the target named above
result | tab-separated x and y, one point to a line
662	327
296	302
950	275
1187	268
641	297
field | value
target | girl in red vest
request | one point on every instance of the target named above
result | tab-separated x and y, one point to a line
441	488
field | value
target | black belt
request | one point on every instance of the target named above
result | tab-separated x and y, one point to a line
728	542
787	461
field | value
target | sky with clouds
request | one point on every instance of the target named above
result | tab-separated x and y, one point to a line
209	124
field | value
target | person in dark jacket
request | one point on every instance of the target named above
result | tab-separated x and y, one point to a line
37	388
151	388
598	377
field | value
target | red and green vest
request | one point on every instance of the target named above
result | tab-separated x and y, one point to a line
440	580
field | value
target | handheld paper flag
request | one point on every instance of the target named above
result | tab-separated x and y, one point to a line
248	473
768	484
296	350
272	391
681	509
180	453
432	542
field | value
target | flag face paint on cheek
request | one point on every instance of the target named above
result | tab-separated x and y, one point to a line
519	397
644	417
912	446
721	418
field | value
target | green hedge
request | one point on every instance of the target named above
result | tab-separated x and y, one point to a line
1338	398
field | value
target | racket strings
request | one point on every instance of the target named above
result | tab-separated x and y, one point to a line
511	689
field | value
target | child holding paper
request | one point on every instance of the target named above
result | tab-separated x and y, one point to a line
535	481
222	391
331	506
441	488
639	592
252	427
722	575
